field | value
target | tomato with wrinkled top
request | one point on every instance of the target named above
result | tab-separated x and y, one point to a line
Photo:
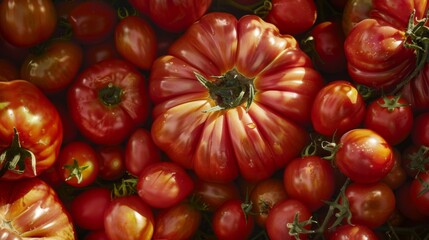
232	97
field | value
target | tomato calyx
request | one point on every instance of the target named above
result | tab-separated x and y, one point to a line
110	95
419	160
127	187
391	103
229	90
13	158
75	171
297	228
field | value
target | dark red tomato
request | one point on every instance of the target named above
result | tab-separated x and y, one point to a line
310	180
164	184
355	11
398	175
355	231
135	40
416	91
30	209
294	22
325	45
63	8
11	52
108	101
390	116
213	194
405	205
419	193
176	16
92	21
420	131
179	222
96	53
231	221
96	235
284	213
87	209
26	23
140	151
55	67
31	130
78	164
364	156
264	196
111	161
129	216
337	108
370	204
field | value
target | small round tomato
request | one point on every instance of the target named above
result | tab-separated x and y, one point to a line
405	205
309	179
231	221
355	231
419	193
284	213
87	209
129	216
111	161
364	156
213	194
337	108
370	204
96	53
136	41
164	184
397	176
390	116
78	164
420	132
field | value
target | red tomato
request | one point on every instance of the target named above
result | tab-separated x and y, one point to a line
164	184
284	213
108	101
419	193
92	21
354	231
213	194
55	67
355	11
397	175
420	131
135	40
30	209
8	70
176	16
129	216
87	209
95	53
364	156
405	205
140	151
325	45
111	161
26	23
310	180
370	204
231	221
78	164
416	91
220	133
264	196
31	131
390	116
179	222
337	108
295	21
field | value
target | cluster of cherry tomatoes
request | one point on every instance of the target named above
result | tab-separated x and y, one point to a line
214	119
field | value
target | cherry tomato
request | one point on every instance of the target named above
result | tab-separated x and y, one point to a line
111	161
420	131
213	194
405	205
78	164
398	175
96	53
355	231
419	193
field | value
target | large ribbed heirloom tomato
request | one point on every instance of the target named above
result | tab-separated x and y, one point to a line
232	97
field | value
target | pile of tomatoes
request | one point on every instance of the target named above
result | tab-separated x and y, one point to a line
214	119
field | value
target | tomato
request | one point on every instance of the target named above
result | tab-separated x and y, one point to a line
8	70
88	207
135	40
164	184
397	175
95	53
405	205
370	204
31	130
178	222
416	91
420	131
419	193
78	164
140	151
355	11
337	108
252	130
92	21
176	16
364	156
231	221
212	194
264	196
309	179
355	231
29	208
26	23
111	160
129	216
390	116
284	213
294	22
55	67
415	159
11	52
324	44
108	101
